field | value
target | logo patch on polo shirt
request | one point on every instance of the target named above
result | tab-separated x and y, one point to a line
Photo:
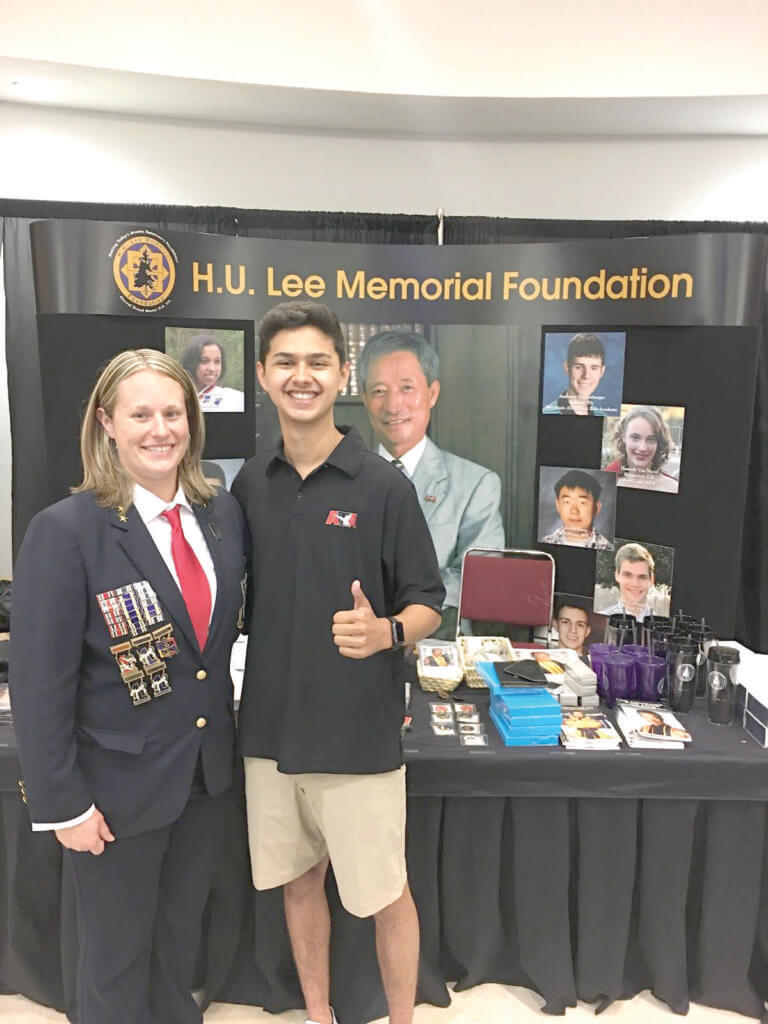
337	518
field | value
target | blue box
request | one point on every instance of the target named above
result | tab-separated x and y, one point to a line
523	715
521	708
522	736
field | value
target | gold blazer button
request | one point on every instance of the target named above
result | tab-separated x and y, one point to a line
201	723
201	674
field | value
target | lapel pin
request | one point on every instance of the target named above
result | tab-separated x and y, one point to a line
430	497
121	514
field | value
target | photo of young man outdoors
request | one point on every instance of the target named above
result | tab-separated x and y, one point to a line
643	574
590	365
343	574
584	503
399	381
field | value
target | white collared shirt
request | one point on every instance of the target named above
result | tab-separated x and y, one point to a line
150	509
411	458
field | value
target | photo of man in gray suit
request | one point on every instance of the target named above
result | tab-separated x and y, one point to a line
460	499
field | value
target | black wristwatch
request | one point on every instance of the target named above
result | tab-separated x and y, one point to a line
398	633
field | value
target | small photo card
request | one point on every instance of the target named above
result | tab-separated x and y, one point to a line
438	654
465	709
441	710
470	740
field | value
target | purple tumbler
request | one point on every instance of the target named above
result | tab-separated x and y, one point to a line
619	678
651	676
634	650
596	654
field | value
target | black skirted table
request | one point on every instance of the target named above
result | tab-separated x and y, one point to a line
585	875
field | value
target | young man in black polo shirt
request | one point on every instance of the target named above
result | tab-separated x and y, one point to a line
343	573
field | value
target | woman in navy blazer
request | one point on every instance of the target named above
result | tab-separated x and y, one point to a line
122	696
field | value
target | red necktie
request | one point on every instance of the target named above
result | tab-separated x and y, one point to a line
194	583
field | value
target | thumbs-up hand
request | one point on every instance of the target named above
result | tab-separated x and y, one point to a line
359	633
361	601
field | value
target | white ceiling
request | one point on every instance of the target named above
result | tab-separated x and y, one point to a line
499	68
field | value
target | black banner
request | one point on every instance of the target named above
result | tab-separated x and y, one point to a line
671	311
88	267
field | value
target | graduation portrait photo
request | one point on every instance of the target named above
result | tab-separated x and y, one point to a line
583	373
644	447
577	507
214	359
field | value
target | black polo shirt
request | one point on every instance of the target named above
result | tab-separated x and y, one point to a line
356	516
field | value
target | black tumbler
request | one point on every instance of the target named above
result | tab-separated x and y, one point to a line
659	639
621	629
682	622
650	623
703	636
722	665
681	674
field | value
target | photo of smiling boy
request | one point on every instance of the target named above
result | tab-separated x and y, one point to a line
583	373
635	580
584	503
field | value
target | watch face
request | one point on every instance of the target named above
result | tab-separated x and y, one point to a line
398	632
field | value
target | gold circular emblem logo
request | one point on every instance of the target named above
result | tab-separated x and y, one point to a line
144	269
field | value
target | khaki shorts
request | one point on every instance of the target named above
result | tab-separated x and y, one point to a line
358	820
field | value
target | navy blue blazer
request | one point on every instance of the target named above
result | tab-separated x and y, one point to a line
81	739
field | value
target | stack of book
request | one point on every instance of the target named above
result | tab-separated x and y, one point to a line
568	678
588	730
646	725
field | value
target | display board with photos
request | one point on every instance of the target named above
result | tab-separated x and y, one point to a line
660	437
509	414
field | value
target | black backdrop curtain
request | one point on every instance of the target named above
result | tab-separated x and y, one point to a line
21	335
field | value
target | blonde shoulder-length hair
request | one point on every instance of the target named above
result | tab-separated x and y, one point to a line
103	473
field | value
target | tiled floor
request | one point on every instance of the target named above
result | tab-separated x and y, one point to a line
486	1004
